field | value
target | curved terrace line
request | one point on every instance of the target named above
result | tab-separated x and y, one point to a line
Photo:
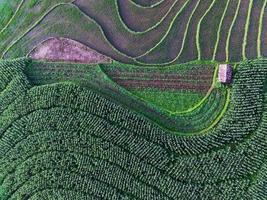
166	128
51	10
214	80
140	33
150	6
165	35
91	19
23	10
198	29
183	42
138	62
219	30
230	31
260	29
244	45
13	16
148	29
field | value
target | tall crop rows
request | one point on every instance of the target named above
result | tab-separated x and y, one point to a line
62	140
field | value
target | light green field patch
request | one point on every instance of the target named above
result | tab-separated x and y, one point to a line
6	13
171	101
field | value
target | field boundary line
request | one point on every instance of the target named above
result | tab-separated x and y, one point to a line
244	44
135	33
219	117
219	30
13	16
151	6
198	29
230	31
150	28
167	32
183	42
214	80
28	30
260	29
185	33
82	13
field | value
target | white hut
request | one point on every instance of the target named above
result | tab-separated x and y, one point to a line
225	73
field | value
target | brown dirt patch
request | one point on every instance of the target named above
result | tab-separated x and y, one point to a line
67	50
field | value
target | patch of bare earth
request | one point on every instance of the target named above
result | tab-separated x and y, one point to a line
66	50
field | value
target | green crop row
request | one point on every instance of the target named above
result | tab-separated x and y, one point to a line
73	140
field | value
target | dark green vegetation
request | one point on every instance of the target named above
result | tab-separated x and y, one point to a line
182	31
195	120
155	124
65	140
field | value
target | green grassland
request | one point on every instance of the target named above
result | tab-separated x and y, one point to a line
170	100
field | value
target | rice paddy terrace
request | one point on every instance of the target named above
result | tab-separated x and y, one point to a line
133	99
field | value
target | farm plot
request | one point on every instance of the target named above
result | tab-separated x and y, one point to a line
160	110
263	41
7	10
151	83
220	52
66	17
130	43
253	29
230	32
207	37
189	51
147	17
238	32
172	44
26	16
53	135
66	50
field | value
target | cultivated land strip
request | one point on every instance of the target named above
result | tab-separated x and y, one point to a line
13	16
244	46
261	29
96	78
41	150
171	41
219	29
151	51
149	18
198	29
230	31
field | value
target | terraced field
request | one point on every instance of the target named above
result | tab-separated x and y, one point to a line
133	99
81	144
236	32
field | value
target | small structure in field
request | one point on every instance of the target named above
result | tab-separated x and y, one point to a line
67	50
225	74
